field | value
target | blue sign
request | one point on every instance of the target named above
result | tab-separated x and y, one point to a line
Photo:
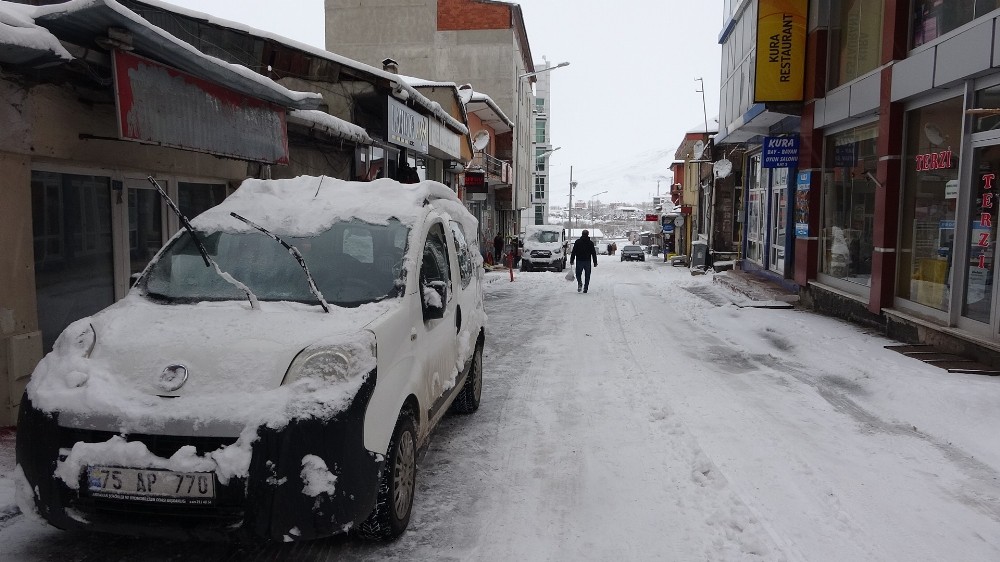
780	152
668	228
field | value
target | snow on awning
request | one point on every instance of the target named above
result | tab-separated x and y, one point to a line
81	21
330	125
22	43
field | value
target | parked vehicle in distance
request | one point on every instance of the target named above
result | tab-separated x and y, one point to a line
633	253
238	390
544	247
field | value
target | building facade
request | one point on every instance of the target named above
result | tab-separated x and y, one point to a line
894	214
539	210
477	42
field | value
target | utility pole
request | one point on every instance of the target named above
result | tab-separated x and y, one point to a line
572	185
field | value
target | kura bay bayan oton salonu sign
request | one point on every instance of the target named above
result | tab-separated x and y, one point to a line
781	50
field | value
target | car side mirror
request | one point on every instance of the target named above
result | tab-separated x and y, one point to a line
433	296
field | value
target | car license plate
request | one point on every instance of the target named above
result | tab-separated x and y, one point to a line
147	485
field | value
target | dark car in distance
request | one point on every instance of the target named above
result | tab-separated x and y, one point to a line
630	253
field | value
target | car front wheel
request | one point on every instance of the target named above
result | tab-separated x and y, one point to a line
397	485
467	400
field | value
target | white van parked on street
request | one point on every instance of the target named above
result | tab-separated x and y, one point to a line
544	247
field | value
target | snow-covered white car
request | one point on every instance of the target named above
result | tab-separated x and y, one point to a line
272	374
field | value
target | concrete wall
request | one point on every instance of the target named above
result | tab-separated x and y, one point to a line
373	30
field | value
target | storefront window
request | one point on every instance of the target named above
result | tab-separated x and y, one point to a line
933	18
847	231
74	264
196	198
981	222
930	196
855	39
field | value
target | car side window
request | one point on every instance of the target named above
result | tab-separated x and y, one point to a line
435	267
463	253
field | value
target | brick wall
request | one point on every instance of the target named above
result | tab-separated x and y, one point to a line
462	15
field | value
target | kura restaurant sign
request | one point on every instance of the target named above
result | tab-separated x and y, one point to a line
781	50
164	106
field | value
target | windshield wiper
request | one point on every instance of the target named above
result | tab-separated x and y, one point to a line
296	254
209	262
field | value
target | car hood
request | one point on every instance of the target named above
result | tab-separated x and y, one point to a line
223	347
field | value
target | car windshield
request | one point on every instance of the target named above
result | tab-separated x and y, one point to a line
352	263
631	249
544	236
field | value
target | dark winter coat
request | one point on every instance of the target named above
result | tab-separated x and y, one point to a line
584	249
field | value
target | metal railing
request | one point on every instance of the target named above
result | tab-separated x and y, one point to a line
494	167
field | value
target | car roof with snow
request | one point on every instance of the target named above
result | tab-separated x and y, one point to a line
309	205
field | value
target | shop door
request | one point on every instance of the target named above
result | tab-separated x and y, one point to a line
979	298
779	218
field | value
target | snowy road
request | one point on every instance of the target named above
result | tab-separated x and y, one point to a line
643	422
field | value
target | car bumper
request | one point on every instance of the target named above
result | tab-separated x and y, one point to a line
543	262
633	258
266	504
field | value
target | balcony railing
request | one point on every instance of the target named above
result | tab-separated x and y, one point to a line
495	168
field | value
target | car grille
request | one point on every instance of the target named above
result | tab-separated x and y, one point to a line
229	499
541	254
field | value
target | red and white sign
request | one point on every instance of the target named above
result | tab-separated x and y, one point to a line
164	106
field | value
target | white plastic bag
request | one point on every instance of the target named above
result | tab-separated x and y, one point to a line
569	275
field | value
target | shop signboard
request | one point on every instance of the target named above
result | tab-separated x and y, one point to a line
161	105
780	152
407	128
475	182
781	50
802	185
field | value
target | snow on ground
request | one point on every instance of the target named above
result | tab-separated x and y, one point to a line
641	421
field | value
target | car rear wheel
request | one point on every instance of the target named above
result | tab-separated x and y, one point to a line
397	485
468	398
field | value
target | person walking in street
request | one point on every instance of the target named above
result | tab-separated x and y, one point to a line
498	248
585	250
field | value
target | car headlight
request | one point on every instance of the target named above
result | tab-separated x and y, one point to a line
556	252
333	362
78	339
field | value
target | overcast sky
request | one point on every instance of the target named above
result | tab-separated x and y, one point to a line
619	110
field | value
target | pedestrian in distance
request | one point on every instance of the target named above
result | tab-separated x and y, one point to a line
498	248
585	250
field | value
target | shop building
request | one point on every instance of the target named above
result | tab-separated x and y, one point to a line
103	98
894	214
486	174
478	42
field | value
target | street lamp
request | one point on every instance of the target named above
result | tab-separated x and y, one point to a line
518	144
593	216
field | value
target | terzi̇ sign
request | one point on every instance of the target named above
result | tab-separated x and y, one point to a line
781	49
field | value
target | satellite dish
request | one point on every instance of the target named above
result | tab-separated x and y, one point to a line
722	168
699	149
481	139
465	92
933	134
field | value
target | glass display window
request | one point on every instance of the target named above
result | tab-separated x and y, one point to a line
848	208
930	198
934	18
855	39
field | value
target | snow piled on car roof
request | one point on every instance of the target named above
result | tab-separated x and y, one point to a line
309	205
